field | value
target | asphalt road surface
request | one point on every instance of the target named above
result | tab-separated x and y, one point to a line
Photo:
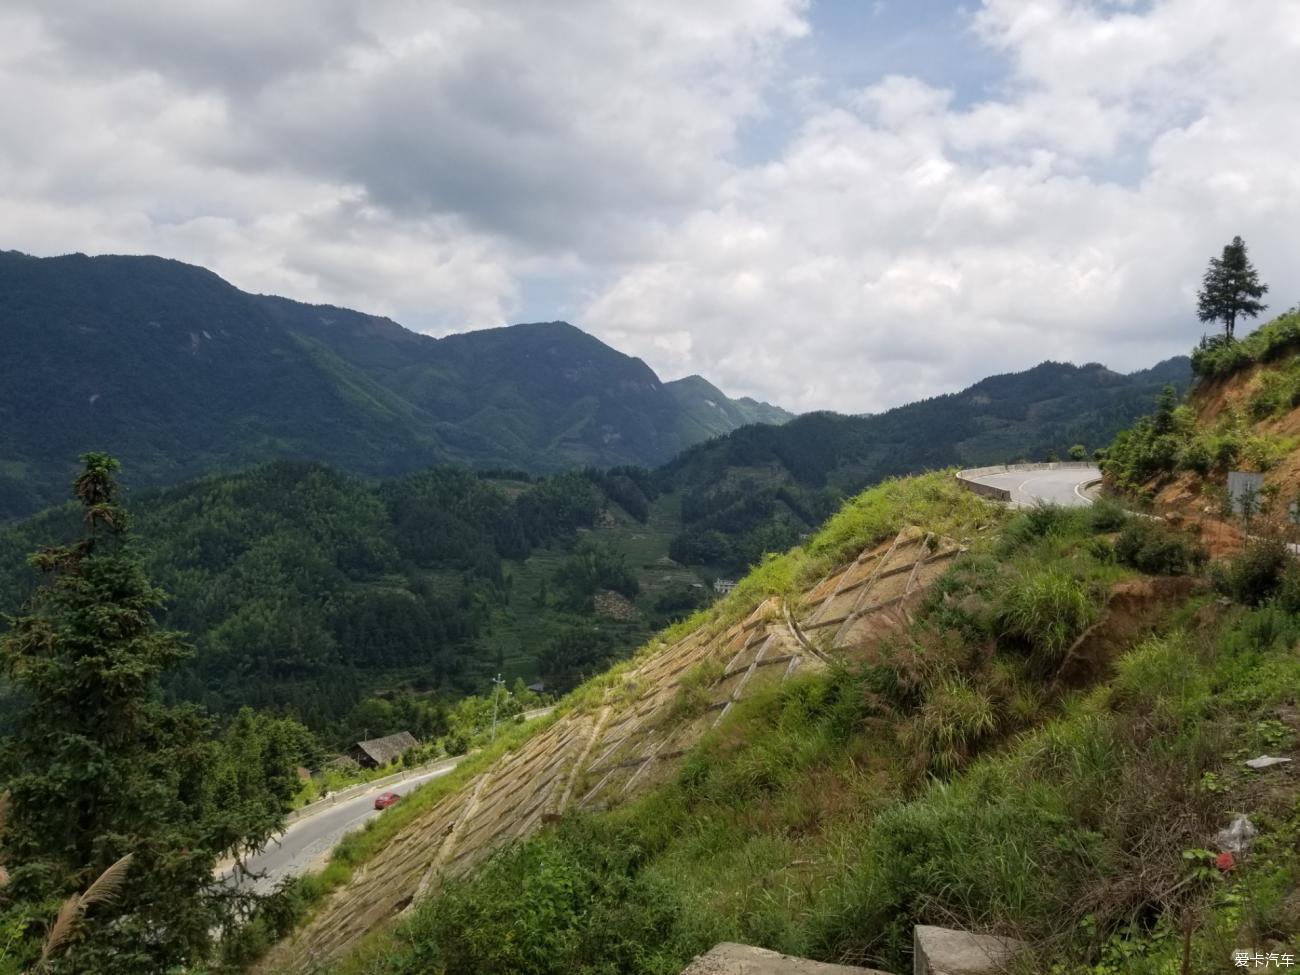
1062	486
304	845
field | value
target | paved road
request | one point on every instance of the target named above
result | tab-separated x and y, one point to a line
1061	486
305	843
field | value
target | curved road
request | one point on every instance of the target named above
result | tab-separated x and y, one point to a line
1062	486
305	843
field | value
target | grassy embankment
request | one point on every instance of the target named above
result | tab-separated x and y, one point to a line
877	514
949	782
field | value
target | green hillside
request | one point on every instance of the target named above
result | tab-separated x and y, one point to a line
179	374
305	589
982	770
762	488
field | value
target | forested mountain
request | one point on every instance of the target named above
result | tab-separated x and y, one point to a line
179	374
303	589
708	412
760	488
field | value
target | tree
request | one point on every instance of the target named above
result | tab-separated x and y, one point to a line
1164	420
1231	288
99	769
1078	452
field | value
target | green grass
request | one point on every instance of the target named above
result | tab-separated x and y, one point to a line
942	783
799	838
1216	358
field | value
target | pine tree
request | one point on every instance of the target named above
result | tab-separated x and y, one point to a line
99	768
1231	288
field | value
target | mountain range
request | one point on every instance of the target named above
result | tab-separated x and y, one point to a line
179	374
761	488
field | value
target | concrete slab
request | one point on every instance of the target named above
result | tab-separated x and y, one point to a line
733	959
943	951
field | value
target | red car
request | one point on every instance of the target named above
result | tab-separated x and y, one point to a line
386	800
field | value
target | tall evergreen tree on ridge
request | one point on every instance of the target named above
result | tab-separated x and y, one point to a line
1230	288
100	768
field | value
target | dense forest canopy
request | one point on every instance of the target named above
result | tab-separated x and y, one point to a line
762	488
304	588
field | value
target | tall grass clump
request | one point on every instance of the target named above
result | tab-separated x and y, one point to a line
954	721
1046	610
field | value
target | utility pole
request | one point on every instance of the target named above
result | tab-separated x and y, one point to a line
496	691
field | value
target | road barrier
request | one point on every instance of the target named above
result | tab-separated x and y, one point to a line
967	477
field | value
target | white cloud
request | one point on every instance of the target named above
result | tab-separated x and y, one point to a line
421	159
400	155
903	246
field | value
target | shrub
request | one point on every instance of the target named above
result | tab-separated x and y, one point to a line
1287	595
955	718
1255	574
1102	550
1219	356
1043	521
1262	453
1107	516
575	901
1151	546
1196	456
1047	610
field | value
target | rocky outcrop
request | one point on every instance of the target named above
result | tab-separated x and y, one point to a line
943	951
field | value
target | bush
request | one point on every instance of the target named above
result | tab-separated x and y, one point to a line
1219	356
1287	595
1255	574
954	720
1196	457
1263	453
1047	610
1043	521
577	900
1107	516
1151	546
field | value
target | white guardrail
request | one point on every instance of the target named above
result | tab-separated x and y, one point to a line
967	477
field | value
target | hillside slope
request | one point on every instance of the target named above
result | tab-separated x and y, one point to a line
1242	414
304	589
761	488
179	374
930	714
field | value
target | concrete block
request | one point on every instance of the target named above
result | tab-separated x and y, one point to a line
943	951
733	959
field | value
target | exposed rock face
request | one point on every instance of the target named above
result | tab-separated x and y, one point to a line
943	951
733	959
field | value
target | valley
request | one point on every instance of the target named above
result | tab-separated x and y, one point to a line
800	487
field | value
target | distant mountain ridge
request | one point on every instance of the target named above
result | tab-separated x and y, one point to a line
180	373
761	488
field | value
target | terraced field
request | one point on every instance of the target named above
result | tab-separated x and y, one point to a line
600	755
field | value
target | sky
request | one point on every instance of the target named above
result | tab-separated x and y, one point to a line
826	204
